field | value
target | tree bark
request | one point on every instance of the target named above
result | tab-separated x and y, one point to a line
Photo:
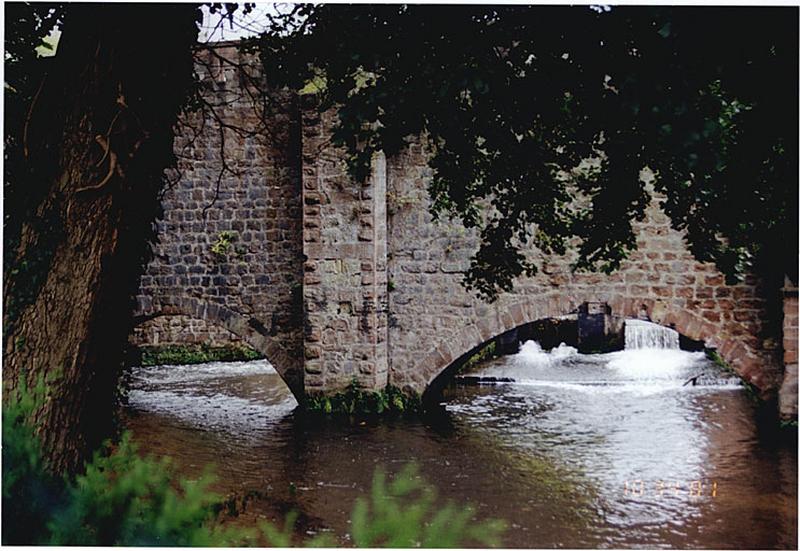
101	137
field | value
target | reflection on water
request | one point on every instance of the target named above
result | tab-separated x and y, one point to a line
610	450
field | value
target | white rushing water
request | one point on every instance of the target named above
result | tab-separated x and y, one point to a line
644	334
644	370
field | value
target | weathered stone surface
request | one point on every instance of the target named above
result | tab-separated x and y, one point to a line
254	287
787	397
336	279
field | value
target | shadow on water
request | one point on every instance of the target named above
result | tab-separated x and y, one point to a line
580	452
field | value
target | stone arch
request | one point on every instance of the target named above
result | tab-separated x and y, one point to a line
247	328
736	345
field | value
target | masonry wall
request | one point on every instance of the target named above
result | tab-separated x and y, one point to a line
345	282
788	391
433	320
180	330
229	256
334	280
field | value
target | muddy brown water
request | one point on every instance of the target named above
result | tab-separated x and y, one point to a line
596	451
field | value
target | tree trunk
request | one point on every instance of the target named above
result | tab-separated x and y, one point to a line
106	115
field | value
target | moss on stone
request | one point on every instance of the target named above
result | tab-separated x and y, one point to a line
483	354
751	390
355	400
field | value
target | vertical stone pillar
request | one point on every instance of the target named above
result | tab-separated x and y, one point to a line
787	396
345	281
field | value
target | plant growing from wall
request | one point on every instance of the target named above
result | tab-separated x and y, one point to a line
355	400
225	247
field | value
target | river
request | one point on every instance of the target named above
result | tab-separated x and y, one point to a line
579	451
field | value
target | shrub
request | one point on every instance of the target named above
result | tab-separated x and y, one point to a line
400	514
191	354
121	499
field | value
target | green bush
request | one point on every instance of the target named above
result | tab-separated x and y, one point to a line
401	514
30	492
486	353
121	499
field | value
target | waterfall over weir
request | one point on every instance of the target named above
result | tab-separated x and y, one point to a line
644	334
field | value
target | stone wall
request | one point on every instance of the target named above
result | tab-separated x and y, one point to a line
180	330
434	321
788	391
345	282
231	255
333	280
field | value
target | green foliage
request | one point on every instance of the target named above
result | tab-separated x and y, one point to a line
192	354
30	492
224	245
513	99
788	424
484	354
354	400
121	499
124	499
400	514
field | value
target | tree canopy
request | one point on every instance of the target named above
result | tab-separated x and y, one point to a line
512	98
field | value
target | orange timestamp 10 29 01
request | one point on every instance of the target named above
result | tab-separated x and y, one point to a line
664	488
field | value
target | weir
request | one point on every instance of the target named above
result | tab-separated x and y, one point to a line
645	334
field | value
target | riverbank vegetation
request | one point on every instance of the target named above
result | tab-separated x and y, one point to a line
189	354
355	400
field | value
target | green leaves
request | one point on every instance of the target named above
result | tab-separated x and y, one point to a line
120	499
400	513
123	499
355	401
511	96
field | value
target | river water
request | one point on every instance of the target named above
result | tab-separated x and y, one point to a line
606	450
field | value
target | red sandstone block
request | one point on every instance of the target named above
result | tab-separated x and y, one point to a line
708	330
711	315
662	291
745	315
517	315
703	292
790	356
714	280
684	292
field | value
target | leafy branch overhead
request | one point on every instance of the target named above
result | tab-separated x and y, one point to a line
510	98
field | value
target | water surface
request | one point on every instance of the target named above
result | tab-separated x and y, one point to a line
611	450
